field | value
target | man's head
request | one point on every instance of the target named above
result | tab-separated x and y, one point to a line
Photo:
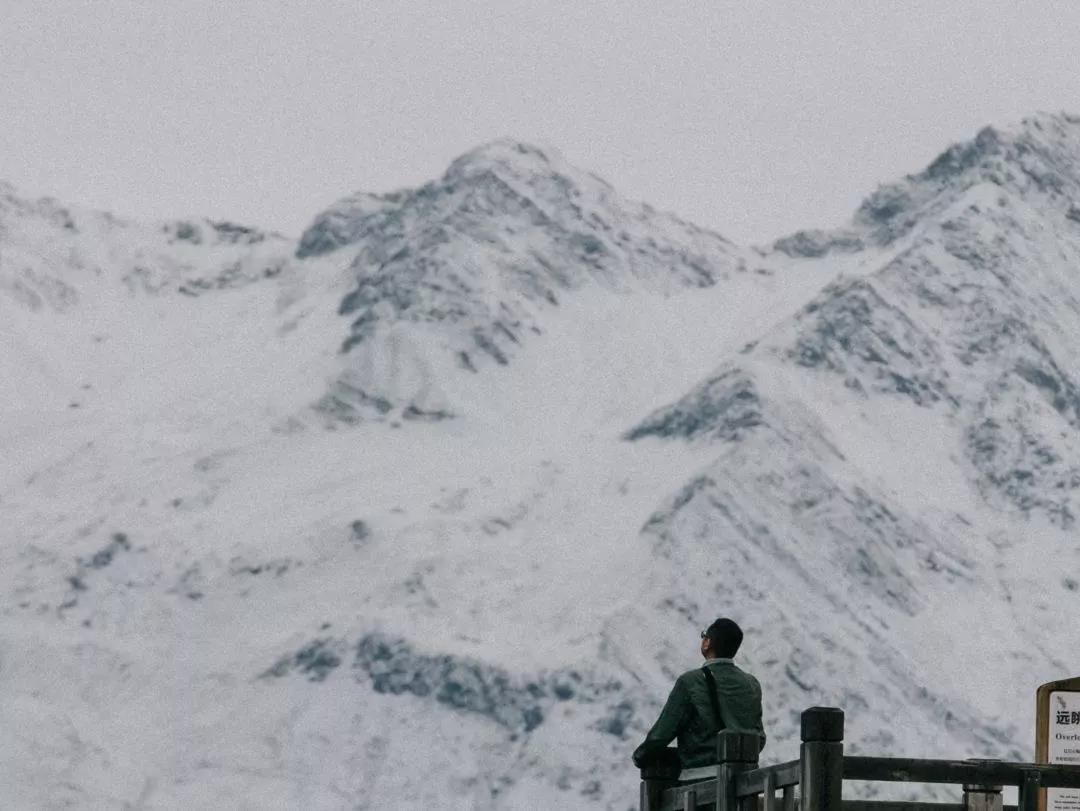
721	640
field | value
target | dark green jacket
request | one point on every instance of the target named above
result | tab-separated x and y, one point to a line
688	714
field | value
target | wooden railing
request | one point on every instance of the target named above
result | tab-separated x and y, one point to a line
822	768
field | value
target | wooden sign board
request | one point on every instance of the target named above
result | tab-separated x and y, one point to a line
1057	737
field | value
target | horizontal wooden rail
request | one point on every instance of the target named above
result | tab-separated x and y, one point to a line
822	769
753	782
704	793
705	796
900	805
906	805
918	770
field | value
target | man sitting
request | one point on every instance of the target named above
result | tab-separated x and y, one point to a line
704	701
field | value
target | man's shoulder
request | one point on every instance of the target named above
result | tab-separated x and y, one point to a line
746	674
697	674
691	676
736	672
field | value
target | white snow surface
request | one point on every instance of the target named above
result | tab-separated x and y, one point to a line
426	508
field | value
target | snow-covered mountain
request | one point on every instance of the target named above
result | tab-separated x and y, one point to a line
462	273
427	507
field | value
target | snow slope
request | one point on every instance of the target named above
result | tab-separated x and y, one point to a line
427	507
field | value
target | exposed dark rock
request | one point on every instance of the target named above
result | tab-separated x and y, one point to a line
960	158
813	244
188	232
412	412
1057	387
317	660
517	702
236	234
1017	465
360	531
351	404
104	556
852	331
725	407
463	684
617	720
349	221
238	566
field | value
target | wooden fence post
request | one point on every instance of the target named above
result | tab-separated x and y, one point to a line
656	779
735	752
1028	799
770	793
821	759
980	797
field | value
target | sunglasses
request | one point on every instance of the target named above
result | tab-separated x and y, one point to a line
704	634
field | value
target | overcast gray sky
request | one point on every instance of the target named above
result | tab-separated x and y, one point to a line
751	118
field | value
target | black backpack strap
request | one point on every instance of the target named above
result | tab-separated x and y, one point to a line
711	680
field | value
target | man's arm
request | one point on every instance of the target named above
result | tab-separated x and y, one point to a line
760	725
666	727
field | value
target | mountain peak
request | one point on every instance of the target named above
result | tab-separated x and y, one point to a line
506	152
481	256
511	160
1039	156
533	174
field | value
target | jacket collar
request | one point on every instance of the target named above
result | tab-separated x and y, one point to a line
727	661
